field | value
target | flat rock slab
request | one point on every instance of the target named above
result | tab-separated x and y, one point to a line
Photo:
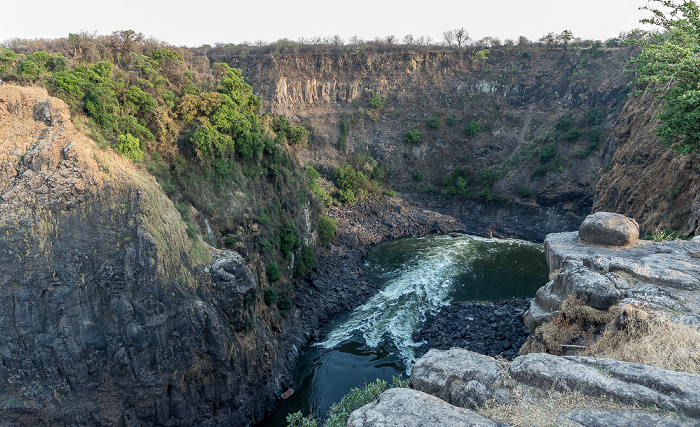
406	407
628	382
606	228
666	263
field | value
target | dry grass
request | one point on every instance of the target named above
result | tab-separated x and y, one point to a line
640	337
576	324
627	333
542	408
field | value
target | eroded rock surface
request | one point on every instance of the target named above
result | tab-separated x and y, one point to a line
663	275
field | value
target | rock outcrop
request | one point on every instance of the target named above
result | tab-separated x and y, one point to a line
664	275
468	380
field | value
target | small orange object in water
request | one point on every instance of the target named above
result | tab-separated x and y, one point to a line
287	393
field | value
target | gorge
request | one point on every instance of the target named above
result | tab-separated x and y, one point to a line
141	294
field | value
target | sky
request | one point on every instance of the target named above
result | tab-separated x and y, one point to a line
194	23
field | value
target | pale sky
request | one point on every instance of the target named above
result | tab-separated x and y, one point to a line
196	22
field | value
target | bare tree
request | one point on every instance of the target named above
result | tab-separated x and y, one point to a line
337	41
408	39
461	37
523	41
449	37
390	40
355	40
302	40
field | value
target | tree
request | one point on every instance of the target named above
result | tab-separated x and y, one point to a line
565	37
461	37
668	67
449	37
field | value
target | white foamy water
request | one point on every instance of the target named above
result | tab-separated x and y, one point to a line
422	282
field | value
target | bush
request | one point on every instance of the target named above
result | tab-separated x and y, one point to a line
326	229
572	134
130	147
376	101
297	135
434	123
472	129
305	261
274	273
540	170
270	296
412	137
548	152
564	124
524	191
594	116
357	398
487	177
417	176
284	304
452	120
289	239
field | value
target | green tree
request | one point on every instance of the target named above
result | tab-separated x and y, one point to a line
412	137
668	67
326	229
473	129
130	146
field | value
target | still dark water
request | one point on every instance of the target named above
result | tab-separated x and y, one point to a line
417	276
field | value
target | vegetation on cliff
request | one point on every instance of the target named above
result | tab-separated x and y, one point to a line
668	66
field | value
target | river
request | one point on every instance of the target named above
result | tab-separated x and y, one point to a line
416	276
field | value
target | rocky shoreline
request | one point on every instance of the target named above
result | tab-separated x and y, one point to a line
488	328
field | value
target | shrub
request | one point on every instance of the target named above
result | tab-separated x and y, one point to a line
524	191
284	304
376	101
452	120
564	124
540	170
417	176
274	273
434	123
487	177
594	116
297	135
289	239
472	129
572	134
130	147
548	152
326	229
270	296
305	261
357	398
412	137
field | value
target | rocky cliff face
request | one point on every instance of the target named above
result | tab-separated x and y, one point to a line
524	99
110	314
645	180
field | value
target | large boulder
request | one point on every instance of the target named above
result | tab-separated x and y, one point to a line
457	376
611	229
406	407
